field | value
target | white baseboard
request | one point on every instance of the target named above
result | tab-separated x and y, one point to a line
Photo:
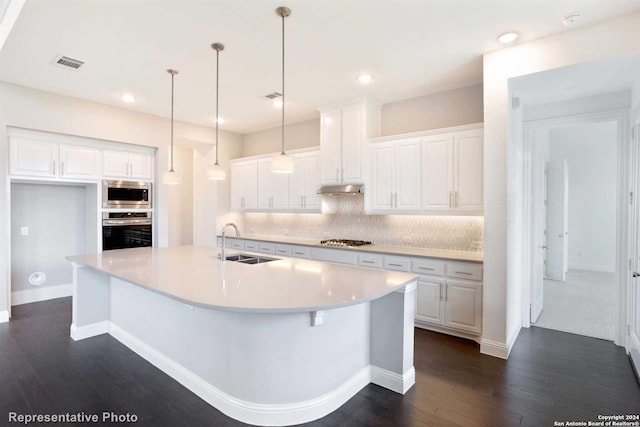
248	412
394	382
87	331
435	328
40	294
494	348
4	316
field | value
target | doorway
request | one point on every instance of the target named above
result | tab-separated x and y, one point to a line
576	289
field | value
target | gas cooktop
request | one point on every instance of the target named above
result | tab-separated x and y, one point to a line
344	242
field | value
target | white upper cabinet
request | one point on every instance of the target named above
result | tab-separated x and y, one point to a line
126	164
273	188
304	182
469	171
79	162
41	158
394	182
33	157
437	173
244	185
433	172
344	130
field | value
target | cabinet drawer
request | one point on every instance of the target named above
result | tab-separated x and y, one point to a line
464	271
237	244
370	260
428	267
397	264
300	251
334	255
252	246
267	248
283	250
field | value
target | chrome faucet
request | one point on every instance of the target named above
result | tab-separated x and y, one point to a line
224	236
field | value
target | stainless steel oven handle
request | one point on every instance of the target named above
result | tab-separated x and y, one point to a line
126	222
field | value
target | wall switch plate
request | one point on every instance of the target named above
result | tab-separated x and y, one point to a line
24	231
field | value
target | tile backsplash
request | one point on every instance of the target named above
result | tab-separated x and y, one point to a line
463	233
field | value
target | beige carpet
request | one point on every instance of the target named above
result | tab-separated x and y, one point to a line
584	304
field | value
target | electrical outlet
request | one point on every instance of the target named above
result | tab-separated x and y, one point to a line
24	231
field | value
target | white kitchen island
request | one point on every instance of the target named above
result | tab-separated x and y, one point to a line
278	343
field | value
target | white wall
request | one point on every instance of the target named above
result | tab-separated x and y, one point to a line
503	237
591	154
55	217
591	104
439	110
297	135
38	110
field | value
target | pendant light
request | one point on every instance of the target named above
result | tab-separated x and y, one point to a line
282	163
217	172
171	177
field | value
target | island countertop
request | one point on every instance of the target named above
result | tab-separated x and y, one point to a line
194	275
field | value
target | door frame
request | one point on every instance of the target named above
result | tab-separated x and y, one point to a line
623	216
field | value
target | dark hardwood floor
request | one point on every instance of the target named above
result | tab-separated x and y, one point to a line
550	376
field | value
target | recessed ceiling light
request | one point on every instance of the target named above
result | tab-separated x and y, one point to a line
365	78
128	98
570	20
278	103
507	38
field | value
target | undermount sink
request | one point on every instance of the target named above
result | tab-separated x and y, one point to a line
249	259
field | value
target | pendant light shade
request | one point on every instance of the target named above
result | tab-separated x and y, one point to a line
171	177
217	172
283	163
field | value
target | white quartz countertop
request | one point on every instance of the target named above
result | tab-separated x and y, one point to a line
196	276
392	250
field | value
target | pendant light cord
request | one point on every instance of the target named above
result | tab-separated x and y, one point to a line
172	76
283	103
217	96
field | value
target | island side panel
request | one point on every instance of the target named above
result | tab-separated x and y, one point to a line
392	336
273	359
91	303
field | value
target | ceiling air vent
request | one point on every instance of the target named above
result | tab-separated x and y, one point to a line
65	61
273	96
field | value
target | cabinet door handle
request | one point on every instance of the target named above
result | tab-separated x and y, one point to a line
463	272
456	199
299	253
342	177
364	261
396	200
450	199
440	291
395	265
446	293
426	268
337	175
391	200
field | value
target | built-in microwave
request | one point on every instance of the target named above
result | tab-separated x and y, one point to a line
126	194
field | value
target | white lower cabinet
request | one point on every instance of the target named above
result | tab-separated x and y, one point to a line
453	304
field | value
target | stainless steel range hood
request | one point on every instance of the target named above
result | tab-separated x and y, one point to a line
341	189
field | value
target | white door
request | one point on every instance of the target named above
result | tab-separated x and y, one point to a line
352	144
634	306
140	166
407	175
463	306
382	176
437	173
468	172
311	180
330	146
265	184
34	158
557	218
115	163
79	162
430	301
538	216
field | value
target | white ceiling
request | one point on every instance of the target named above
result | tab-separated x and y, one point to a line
412	47
578	81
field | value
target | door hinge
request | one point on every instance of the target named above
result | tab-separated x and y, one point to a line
515	102
630	197
628	329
